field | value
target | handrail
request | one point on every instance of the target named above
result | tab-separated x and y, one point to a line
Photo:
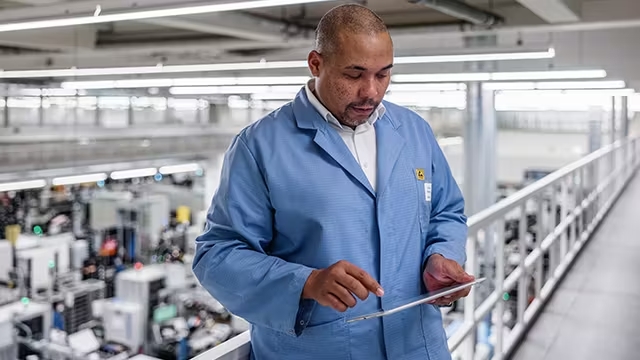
583	192
568	206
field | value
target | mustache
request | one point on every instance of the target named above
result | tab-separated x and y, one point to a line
367	103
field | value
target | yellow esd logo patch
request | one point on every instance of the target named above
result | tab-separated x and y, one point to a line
420	174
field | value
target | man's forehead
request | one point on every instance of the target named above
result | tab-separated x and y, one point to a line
349	51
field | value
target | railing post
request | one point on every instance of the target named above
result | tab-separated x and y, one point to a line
564	209
540	234
523	283
553	222
498	236
469	345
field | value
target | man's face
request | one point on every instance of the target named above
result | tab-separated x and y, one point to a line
352	80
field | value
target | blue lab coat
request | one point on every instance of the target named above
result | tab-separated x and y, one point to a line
292	198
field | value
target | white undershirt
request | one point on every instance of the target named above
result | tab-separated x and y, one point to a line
361	141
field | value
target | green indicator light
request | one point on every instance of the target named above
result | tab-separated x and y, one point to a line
37	230
25	300
505	296
52	264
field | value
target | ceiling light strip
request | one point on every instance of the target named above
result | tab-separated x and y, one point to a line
531	55
500	76
129	174
80	179
149	14
262	65
23	185
182	168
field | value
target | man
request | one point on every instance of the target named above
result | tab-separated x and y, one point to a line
337	205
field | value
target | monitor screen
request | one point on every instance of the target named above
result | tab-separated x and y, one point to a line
163	313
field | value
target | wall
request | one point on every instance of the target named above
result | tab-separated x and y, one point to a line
518	151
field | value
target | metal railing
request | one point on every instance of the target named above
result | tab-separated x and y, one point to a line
553	218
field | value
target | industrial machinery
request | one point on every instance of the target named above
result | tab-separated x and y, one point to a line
124	324
142	286
33	322
8	341
74	304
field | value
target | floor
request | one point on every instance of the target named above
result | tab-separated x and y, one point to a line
595	312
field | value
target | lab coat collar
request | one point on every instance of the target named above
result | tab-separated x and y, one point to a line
390	142
328	116
308	118
328	139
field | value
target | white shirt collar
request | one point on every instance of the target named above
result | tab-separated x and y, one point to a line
326	114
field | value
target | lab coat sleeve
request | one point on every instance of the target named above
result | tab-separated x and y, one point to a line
447	232
232	261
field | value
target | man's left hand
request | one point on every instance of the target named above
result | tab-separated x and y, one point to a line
440	273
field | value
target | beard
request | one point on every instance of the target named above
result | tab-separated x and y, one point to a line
352	117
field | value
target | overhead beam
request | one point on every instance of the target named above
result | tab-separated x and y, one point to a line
70	39
554	11
230	24
462	11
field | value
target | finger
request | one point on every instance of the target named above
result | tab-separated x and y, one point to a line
335	303
456	296
365	279
343	295
354	285
457	273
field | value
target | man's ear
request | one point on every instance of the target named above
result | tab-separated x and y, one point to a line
315	63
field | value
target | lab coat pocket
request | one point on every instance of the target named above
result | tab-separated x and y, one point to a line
424	203
329	341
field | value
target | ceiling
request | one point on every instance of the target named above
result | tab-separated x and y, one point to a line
585	34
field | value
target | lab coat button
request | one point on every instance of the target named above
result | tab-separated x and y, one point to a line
301	322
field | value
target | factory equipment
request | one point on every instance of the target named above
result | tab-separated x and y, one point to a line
33	322
124	324
6	261
8	341
142	286
79	253
39	259
76	303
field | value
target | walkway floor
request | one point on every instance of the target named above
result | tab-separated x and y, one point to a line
595	311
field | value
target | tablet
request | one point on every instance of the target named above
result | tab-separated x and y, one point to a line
434	295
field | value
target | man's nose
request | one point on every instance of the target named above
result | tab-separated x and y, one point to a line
369	89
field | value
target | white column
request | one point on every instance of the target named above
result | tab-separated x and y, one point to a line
624	108
212	172
612	126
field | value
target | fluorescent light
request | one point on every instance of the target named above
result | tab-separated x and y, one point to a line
129	174
174	169
426	87
531	55
23	185
212	81
141	70
273	96
557	85
222	90
261	65
548	75
502	76
80	179
582	85
149	14
596	92
424	78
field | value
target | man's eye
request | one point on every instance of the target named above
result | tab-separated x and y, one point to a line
353	76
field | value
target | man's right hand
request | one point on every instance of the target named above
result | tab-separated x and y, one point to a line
336	285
